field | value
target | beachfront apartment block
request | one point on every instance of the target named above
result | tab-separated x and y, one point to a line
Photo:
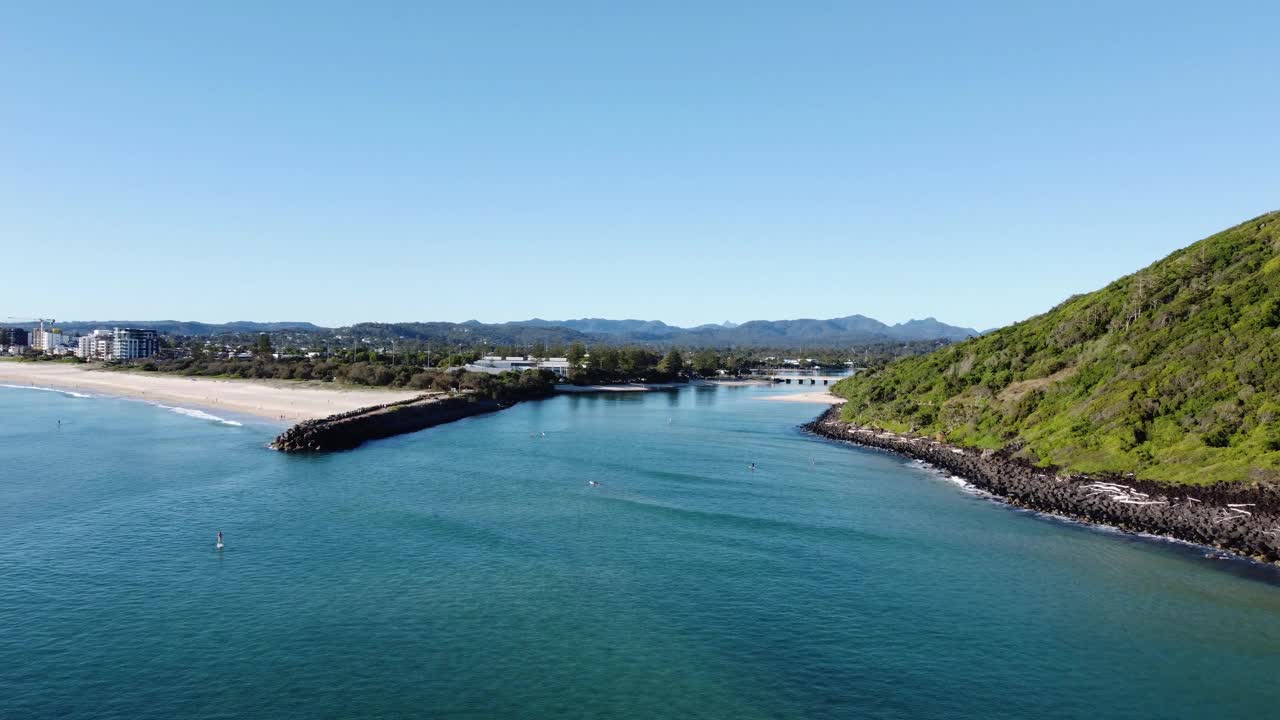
96	346
133	343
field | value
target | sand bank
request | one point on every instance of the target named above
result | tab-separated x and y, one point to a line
270	399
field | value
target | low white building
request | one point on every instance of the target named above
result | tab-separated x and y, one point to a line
495	364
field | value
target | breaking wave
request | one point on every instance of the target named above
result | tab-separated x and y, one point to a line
72	393
198	414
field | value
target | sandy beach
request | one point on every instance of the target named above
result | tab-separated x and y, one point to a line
820	396
272	400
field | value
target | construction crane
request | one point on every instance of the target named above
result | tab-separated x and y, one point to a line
42	321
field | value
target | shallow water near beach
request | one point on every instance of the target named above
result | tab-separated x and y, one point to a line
470	570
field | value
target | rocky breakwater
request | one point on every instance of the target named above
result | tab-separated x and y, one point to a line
1244	519
347	430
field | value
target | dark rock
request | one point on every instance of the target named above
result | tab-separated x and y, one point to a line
1195	513
347	430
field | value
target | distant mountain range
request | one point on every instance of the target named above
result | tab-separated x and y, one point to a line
834	332
854	329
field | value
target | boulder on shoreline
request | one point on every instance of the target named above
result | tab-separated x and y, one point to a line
1244	519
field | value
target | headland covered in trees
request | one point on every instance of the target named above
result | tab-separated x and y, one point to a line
1160	390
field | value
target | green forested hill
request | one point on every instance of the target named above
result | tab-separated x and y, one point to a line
1172	372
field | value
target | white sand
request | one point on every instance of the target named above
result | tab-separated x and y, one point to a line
821	396
270	399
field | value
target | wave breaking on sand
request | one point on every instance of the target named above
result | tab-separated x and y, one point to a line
72	393
197	414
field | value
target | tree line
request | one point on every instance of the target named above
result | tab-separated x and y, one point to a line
418	367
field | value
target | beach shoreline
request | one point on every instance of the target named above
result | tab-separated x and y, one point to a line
273	400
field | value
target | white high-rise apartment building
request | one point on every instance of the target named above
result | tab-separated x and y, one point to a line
96	346
134	343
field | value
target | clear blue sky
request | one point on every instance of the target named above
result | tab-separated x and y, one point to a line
689	162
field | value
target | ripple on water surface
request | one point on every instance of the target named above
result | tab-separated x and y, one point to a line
471	570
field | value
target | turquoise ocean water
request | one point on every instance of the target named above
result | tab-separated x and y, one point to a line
470	571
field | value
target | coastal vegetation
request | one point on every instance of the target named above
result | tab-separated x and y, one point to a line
37	356
364	372
637	364
1171	373
416	367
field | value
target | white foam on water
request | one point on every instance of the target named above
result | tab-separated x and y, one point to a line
970	489
964	485
198	414
72	393
189	412
1106	529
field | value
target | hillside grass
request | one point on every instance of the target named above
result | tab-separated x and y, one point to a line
1172	373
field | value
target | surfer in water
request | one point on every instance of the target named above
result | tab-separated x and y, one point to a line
752	466
219	539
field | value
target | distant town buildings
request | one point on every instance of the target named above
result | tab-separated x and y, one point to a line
102	345
51	341
133	343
